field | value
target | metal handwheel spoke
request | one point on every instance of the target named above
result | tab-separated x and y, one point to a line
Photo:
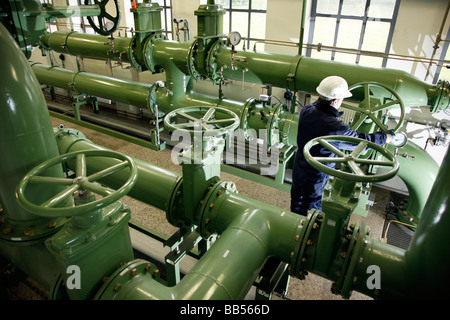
375	162
358	123
219	121
57	199
353	108
330	159
51	180
187	116
332	148
386	105
355	168
80	166
107	171
352	160
209	114
378	122
359	148
367	94
97	189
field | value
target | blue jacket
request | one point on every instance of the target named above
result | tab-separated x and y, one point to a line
321	119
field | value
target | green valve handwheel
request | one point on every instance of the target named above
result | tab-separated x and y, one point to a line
56	205
351	160
105	19
371	106
212	121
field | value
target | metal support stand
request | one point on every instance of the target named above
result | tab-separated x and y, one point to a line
76	105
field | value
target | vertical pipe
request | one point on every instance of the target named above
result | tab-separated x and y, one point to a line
26	140
427	259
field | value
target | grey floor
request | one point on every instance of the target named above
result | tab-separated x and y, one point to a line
313	287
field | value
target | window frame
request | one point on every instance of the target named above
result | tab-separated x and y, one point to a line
365	18
249	12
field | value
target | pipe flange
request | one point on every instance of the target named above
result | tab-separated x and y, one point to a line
175	201
26	234
212	68
191	62
306	238
245	113
353	244
273	131
132	57
128	275
148	53
209	202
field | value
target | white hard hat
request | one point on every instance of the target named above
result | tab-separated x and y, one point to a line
334	87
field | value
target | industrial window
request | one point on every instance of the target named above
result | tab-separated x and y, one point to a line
341	29
248	17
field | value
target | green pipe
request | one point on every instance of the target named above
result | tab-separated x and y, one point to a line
297	73
146	189
427	259
228	269
26	140
87	45
124	91
419	182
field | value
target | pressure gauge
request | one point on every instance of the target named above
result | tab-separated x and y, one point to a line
234	38
399	140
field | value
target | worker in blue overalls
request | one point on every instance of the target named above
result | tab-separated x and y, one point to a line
321	119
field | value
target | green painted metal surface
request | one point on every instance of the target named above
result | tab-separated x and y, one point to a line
26	136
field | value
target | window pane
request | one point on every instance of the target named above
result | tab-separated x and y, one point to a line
226	22
240	23
240	4
324	31
258	25
169	19
327	6
375	39
349	33
381	9
224	3
376	35
353	8
348	37
259	4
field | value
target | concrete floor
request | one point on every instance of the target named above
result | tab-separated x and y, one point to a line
313	287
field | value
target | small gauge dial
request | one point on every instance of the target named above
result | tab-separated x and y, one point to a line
234	38
399	140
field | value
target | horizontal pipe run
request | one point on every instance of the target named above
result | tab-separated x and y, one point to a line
154	185
87	45
125	91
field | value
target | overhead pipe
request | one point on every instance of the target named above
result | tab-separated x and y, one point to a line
297	73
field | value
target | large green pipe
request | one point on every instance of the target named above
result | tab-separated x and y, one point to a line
427	259
418	170
26	140
421	271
